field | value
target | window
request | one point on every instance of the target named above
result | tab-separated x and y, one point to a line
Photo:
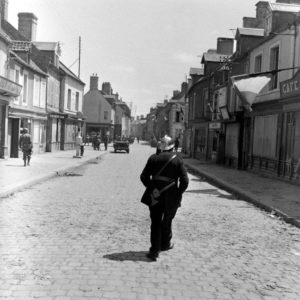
17	80
36	90
105	115
25	89
69	99
177	116
206	109
77	102
274	61
257	64
43	93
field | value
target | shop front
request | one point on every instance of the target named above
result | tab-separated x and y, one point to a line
71	124
55	122
36	124
8	89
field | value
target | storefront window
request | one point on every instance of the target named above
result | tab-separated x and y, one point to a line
265	136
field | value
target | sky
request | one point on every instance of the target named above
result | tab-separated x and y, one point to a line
144	48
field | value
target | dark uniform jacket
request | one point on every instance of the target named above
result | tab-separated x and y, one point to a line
175	171
25	142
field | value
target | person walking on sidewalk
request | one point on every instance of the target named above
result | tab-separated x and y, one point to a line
163	194
25	144
105	140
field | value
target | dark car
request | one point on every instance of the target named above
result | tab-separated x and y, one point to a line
121	146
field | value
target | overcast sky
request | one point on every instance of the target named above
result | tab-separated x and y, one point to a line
144	48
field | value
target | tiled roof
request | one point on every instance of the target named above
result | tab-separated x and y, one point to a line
12	32
30	65
250	31
69	72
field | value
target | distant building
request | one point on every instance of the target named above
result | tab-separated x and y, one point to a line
98	111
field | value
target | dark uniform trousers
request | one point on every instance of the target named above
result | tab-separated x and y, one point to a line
161	226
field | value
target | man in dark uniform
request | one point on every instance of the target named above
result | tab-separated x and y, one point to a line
163	194
25	144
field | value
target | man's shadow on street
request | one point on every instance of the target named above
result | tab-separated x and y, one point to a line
128	255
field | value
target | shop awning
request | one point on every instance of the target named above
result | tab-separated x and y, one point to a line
28	115
248	88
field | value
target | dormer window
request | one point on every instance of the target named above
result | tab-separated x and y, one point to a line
268	27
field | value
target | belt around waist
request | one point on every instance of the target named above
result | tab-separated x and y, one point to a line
163	178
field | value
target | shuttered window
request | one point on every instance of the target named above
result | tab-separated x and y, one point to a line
232	138
265	136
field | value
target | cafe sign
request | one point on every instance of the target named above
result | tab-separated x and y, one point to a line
291	87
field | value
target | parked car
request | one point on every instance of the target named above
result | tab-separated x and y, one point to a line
121	146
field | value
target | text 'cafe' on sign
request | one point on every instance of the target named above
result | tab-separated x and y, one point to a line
290	87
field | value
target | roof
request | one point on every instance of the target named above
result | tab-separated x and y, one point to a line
250	31
11	31
68	72
109	99
196	71
47	46
214	57
29	64
285	7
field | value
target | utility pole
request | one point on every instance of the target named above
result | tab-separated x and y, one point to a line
79	57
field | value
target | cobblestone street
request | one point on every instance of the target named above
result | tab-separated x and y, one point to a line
84	235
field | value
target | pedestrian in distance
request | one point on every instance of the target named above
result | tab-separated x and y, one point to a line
96	142
78	144
165	178
105	140
26	146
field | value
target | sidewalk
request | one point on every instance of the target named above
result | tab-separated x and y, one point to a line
275	196
14	176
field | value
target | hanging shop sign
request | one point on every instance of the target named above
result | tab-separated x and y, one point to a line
214	125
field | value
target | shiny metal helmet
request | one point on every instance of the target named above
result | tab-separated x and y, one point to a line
167	143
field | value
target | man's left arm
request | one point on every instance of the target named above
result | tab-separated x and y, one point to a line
183	178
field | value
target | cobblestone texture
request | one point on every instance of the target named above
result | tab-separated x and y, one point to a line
85	237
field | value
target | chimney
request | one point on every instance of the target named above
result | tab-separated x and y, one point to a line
27	25
225	46
4	9
261	12
106	88
184	87
175	93
94	82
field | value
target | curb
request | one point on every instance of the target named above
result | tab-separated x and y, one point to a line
45	177
243	195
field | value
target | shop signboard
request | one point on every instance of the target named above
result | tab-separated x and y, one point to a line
290	87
